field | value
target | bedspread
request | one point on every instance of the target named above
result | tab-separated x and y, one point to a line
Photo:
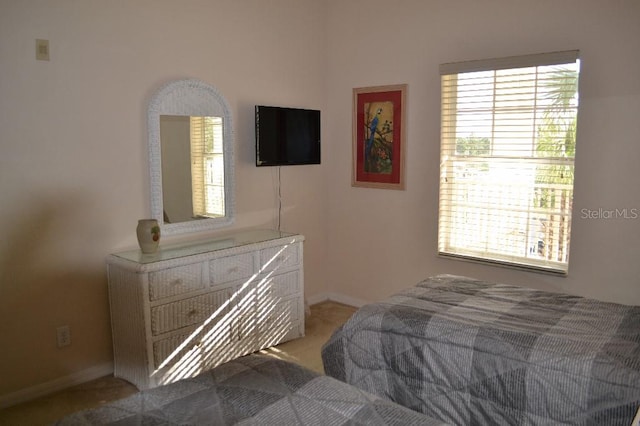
468	351
254	390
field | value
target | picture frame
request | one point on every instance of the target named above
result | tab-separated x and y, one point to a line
379	141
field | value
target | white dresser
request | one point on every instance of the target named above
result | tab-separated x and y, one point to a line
190	307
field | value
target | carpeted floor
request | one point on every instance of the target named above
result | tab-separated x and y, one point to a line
324	319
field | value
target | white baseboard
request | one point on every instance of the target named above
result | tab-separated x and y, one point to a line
336	297
56	385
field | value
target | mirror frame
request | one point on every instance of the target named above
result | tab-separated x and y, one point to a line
193	98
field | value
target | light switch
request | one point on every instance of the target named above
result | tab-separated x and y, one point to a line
42	50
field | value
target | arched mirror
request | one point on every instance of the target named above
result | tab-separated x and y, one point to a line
190	158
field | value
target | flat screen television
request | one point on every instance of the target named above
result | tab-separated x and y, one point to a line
287	136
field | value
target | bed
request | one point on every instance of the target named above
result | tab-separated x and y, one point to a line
253	390
468	352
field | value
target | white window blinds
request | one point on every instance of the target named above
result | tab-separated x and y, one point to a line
207	166
508	139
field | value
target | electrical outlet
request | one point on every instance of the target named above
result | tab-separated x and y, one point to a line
64	335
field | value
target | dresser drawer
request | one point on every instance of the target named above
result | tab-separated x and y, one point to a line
283	285
172	316
274	313
231	268
169	351
276	319
190	351
275	258
287	310
175	281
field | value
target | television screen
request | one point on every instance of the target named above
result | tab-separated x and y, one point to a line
287	136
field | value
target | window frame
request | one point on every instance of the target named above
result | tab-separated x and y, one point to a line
449	158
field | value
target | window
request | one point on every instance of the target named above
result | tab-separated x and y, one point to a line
207	166
508	140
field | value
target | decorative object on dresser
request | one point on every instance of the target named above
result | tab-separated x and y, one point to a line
148	233
190	307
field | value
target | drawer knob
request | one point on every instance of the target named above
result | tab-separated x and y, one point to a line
232	270
192	313
177	282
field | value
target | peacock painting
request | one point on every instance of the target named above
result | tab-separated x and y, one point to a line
378	137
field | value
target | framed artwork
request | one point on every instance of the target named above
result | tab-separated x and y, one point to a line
379	136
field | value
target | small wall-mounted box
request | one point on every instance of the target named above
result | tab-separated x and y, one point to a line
42	50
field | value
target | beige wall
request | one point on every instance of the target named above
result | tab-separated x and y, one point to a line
73	161
73	170
381	241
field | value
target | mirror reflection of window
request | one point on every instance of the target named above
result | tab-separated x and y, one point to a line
207	166
192	168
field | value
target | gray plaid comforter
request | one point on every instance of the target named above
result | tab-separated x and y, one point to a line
254	390
473	352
